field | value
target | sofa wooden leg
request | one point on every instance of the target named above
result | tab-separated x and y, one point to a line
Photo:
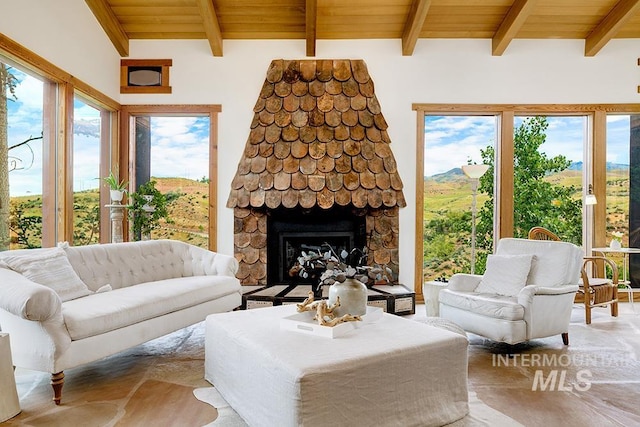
57	381
565	338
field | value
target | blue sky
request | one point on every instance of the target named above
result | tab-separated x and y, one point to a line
179	144
452	140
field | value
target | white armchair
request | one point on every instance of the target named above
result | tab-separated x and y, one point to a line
527	292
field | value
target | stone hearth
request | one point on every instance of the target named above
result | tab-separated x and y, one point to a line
318	145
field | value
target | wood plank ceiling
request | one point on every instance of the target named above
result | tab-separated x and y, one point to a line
595	21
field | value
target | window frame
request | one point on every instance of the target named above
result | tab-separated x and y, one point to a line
127	149
59	90
595	150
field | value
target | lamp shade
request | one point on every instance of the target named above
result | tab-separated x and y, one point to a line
474	171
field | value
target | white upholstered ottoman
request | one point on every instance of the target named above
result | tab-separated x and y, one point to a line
391	372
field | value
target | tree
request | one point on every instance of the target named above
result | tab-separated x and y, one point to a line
536	201
148	207
7	92
26	222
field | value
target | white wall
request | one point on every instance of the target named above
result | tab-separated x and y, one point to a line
65	33
440	71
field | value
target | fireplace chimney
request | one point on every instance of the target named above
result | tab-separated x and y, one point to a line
318	145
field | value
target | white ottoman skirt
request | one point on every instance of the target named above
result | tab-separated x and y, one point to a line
391	372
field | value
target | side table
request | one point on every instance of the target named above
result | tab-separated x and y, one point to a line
431	291
9	403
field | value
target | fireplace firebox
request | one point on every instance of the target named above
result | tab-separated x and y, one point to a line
289	232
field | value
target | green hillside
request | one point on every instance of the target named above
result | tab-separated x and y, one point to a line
188	215
447	217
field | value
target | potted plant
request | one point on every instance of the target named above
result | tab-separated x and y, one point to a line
116	188
347	275
148	206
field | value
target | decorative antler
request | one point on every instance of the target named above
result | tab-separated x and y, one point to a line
324	313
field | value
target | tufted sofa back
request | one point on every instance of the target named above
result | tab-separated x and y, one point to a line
125	264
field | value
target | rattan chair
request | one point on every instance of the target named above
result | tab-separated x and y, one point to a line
541	233
597	291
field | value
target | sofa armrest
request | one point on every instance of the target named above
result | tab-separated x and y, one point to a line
25	298
226	265
205	262
464	282
526	295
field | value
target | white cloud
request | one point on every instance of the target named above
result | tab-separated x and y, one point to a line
180	147
450	141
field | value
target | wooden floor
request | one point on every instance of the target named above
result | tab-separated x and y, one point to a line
597	380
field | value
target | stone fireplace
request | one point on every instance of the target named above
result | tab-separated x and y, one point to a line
317	168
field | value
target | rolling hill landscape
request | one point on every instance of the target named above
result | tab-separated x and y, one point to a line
446	196
188	215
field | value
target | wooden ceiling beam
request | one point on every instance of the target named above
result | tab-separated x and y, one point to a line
311	17
109	23
211	26
610	25
513	21
413	25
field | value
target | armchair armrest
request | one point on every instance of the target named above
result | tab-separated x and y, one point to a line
464	282
25	298
525	297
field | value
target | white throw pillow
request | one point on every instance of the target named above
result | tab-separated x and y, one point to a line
50	268
505	274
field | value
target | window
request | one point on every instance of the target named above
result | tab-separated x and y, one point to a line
548	174
86	173
176	146
39	130
450	142
622	213
21	159
570	146
618	173
180	163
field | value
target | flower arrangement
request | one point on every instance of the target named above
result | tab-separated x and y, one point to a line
324	266
617	235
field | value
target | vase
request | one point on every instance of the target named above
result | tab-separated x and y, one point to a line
615	244
116	196
353	297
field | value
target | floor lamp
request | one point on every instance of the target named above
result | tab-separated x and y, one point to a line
474	172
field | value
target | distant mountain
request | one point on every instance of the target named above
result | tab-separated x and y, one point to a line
456	173
577	166
450	175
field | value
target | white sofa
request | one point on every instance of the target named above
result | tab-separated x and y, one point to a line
527	292
135	292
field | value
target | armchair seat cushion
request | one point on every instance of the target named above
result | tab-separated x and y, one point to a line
490	305
106	311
